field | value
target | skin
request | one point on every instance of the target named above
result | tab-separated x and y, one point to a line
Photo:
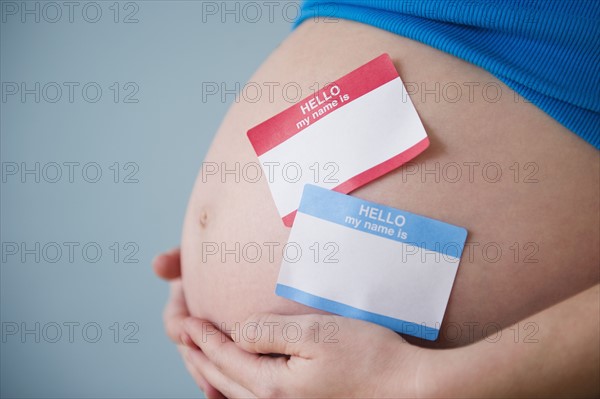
554	218
560	363
168	267
315	369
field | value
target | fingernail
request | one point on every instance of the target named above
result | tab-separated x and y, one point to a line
186	340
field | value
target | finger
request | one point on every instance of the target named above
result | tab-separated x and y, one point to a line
175	312
214	376
198	378
295	335
251	371
209	391
168	264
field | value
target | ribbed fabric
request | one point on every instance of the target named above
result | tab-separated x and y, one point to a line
547	51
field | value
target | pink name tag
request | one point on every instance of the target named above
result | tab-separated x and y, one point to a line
347	134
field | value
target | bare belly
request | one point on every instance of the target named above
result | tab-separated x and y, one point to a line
526	188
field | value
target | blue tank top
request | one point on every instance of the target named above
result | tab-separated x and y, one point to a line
546	51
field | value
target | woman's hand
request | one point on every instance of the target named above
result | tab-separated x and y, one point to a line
325	356
168	267
332	356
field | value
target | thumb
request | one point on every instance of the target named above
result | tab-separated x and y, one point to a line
297	335
168	264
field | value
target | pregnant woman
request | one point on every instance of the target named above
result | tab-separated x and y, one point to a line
508	95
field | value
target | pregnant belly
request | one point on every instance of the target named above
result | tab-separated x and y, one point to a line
524	187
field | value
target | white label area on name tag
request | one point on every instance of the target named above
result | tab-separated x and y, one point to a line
376	263
347	134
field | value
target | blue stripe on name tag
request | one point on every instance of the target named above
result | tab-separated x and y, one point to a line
383	221
401	326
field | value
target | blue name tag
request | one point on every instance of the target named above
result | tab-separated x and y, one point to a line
371	262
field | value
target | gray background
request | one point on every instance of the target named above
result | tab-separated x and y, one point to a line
161	139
